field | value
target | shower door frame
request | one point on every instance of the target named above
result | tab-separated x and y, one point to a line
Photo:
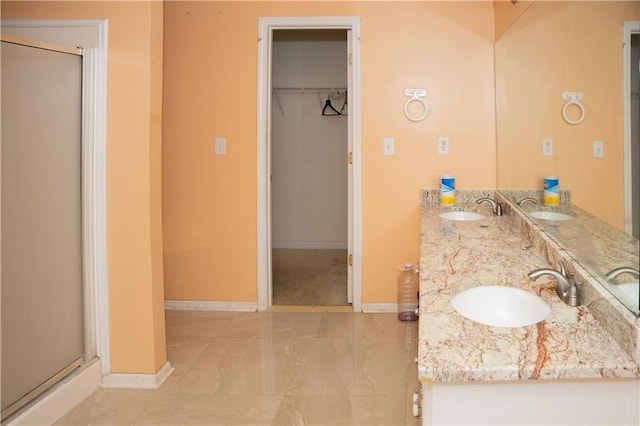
92	34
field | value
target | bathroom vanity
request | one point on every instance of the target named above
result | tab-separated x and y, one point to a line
578	366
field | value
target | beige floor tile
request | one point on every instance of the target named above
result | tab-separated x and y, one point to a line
182	358
370	326
189	409
184	326
243	366
351	367
307	308
109	407
285	368
335	410
297	325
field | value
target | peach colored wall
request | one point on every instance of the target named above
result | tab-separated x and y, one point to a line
506	13
156	51
210	86
556	47
134	115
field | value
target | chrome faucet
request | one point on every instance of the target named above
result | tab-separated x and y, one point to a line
497	207
567	288
622	270
527	200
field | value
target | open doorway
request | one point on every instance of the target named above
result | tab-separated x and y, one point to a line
309	182
294	97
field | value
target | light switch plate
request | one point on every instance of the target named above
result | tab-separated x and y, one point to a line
388	146
547	147
220	146
598	149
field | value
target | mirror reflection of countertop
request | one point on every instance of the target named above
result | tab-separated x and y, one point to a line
570	344
595	244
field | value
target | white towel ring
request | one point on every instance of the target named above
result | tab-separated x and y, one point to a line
417	95
573	98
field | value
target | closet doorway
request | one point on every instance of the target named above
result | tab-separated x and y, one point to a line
309	153
309	225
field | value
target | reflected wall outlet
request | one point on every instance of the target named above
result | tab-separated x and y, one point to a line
547	147
598	149
443	145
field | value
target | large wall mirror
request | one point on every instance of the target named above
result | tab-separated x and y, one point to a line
572	46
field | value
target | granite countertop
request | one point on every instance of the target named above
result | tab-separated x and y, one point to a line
569	344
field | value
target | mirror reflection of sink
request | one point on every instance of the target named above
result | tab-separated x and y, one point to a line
501	306
462	216
550	215
629	294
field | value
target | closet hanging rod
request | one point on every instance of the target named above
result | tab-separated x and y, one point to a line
310	89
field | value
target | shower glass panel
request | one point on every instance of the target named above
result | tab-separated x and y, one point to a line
41	228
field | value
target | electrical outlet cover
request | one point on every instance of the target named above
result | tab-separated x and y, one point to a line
547	147
443	145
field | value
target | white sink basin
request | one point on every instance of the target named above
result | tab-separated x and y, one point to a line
501	306
462	216
550	215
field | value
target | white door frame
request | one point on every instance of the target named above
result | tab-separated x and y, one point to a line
94	139
629	27
266	26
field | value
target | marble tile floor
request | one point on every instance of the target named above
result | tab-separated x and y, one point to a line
309	277
272	368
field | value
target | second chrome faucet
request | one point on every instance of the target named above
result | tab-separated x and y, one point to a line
566	287
622	270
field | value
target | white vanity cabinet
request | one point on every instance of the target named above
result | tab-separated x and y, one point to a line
548	402
567	369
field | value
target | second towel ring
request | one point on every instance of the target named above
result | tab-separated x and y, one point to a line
417	95
573	98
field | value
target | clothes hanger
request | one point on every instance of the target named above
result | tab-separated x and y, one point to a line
328	109
344	104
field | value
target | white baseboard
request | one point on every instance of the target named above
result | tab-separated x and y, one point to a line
138	381
206	305
309	245
62	398
379	307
